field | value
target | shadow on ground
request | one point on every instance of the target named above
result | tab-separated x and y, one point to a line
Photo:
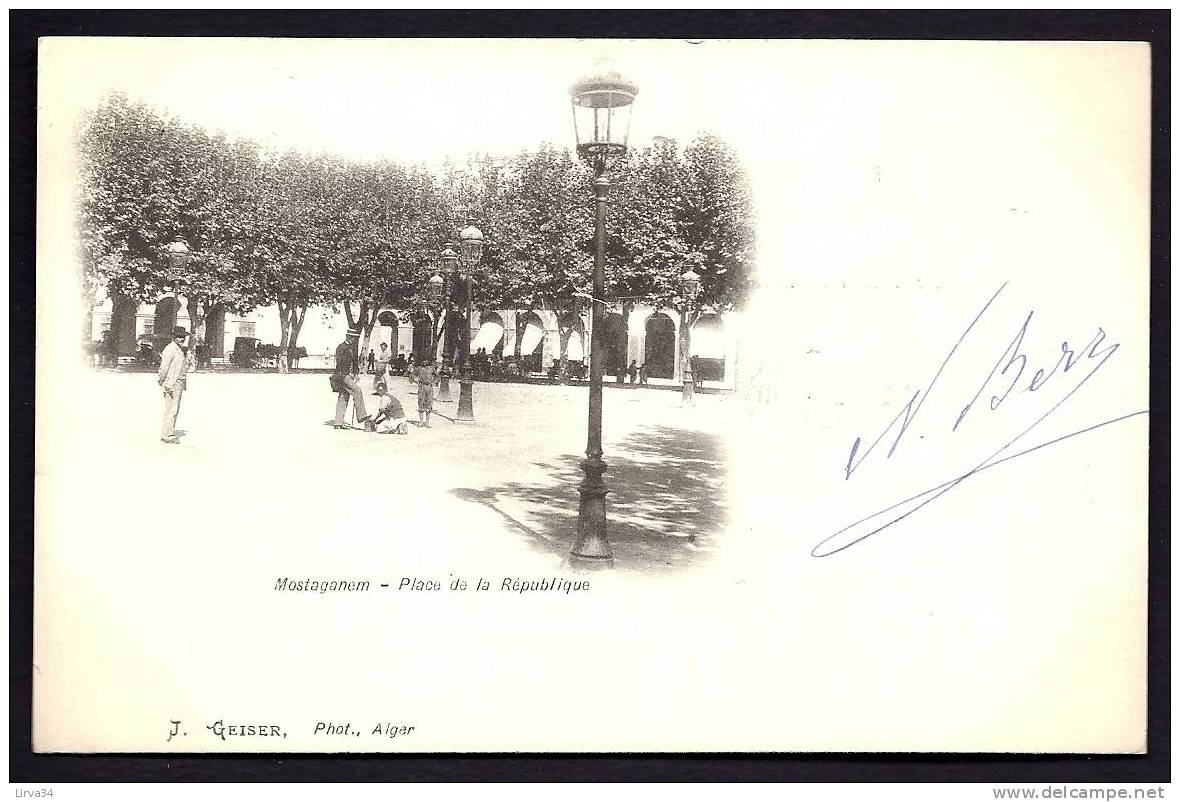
666	501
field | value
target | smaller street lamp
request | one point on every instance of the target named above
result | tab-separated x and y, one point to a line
470	249
435	289
178	254
690	285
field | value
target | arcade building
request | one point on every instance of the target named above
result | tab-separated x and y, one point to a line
529	337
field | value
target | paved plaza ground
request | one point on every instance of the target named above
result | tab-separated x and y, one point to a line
260	464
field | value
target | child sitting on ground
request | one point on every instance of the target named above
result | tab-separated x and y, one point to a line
390	417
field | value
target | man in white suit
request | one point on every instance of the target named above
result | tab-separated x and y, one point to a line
173	369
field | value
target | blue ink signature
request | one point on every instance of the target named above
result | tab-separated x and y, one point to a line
1011	365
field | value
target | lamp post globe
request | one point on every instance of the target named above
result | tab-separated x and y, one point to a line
602	102
177	253
470	246
435	289
177	249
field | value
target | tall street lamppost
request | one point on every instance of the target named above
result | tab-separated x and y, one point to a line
690	284
470	249
450	268
602	104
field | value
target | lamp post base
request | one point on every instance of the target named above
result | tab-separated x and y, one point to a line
466	412
592	547
686	395
444	388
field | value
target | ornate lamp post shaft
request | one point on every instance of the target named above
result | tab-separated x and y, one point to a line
602	116
470	246
444	371
449	259
592	544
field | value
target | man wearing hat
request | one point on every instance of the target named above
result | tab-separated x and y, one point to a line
173	369
346	377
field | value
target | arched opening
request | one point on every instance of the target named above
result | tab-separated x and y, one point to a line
384	339
572	333
708	348
164	322
613	344
530	340
659	346
388	322
490	336
123	324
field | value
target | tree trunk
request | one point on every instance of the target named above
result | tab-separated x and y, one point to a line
563	340
623	358
367	319
359	321
123	324
284	364
298	313
439	329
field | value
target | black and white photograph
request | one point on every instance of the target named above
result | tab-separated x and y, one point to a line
448	395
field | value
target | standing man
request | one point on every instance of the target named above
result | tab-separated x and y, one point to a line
346	377
173	369
369	363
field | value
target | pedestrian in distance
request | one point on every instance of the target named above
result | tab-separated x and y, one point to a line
345	380
174	364
632	372
643	373
695	366
369	362
382	361
110	349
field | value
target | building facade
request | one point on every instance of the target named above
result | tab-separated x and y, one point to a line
530	337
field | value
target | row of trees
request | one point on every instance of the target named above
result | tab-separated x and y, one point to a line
295	230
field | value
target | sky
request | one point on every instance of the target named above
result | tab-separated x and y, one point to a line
409	100
869	161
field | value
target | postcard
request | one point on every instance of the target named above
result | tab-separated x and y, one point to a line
410	396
